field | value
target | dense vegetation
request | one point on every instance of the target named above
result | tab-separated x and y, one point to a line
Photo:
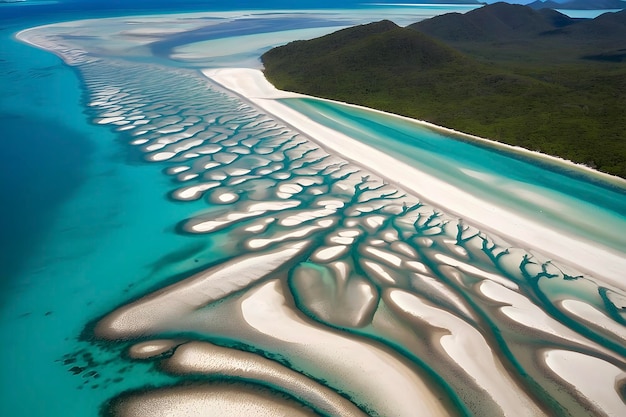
537	79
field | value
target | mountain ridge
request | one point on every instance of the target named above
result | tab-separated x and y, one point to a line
492	22
526	30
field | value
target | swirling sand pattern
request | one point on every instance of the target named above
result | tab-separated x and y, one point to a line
341	294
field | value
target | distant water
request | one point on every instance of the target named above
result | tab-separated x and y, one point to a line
90	226
586	14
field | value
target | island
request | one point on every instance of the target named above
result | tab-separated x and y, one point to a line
532	78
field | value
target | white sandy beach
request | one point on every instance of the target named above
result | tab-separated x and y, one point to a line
600	262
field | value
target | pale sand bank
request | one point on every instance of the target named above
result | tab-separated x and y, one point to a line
594	378
600	262
208	359
524	312
223	400
467	347
355	362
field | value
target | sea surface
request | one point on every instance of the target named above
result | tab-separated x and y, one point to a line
92	220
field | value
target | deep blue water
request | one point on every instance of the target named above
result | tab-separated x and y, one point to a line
40	167
43	156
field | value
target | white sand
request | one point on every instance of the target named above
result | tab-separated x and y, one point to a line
328	254
341	240
467	347
206	358
477	272
305	216
432	286
259	226
214	401
377	271
382	255
593	316
600	262
253	209
355	362
194	192
151	348
158	310
594	378
416	266
280	237
524	312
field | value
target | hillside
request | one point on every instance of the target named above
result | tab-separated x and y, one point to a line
561	96
377	56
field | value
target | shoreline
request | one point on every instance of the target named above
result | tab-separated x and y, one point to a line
552	160
604	263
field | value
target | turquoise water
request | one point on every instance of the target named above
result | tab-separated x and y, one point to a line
560	196
586	14
91	226
85	225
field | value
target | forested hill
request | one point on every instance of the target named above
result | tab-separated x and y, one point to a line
536	79
360	62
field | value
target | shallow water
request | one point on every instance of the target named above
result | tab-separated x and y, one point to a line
560	196
303	259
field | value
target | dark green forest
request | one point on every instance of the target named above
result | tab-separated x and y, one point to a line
533	78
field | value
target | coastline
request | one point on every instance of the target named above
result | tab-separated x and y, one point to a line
600	262
270	92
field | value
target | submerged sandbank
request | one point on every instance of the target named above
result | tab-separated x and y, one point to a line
601	262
